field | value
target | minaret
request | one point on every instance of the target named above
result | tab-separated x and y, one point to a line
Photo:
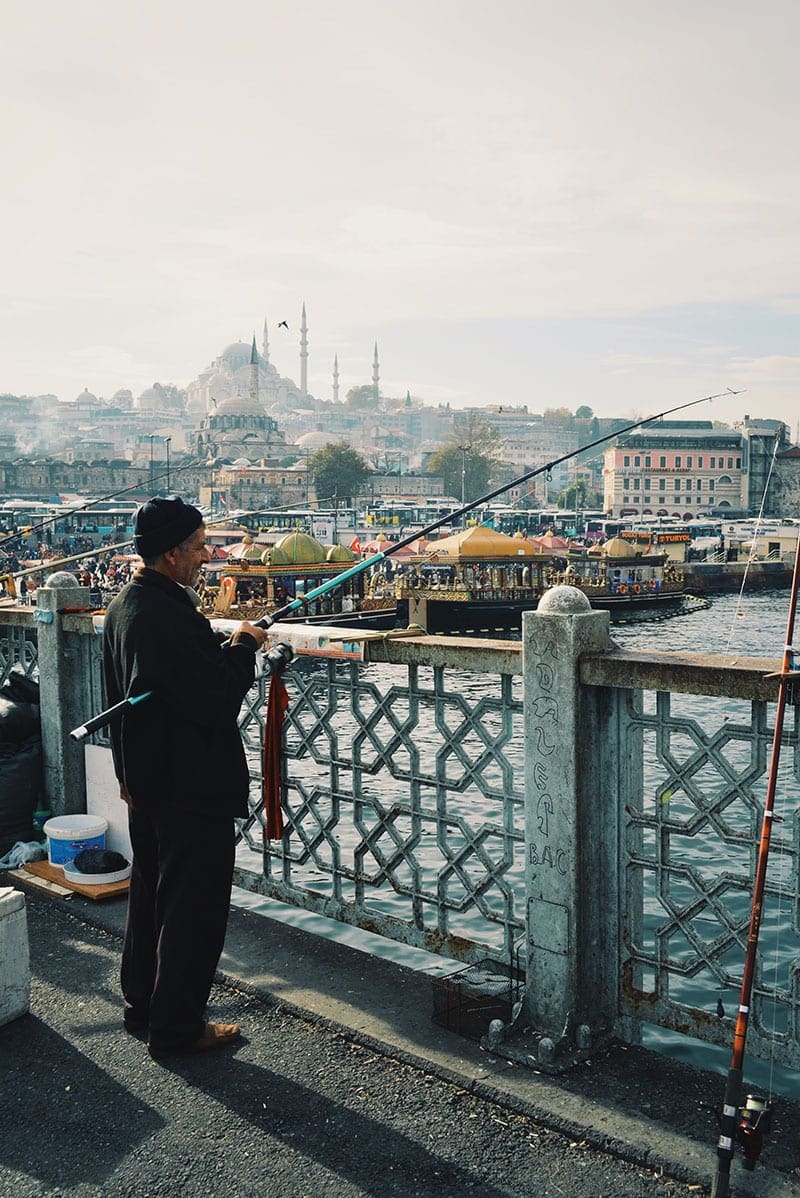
303	354
335	378
254	372
375	375
265	343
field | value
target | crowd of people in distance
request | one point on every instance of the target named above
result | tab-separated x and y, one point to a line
102	572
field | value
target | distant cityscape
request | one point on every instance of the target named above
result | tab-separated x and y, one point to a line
242	432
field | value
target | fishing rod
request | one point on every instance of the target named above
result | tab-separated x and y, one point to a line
746	1124
275	660
102	550
103	718
84	507
396	546
54	563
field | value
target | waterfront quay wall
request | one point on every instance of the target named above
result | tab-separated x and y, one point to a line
587	815
716	578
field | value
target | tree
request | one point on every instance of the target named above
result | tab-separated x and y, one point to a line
474	451
360	399
579	495
451	460
558	416
471	429
337	470
583	413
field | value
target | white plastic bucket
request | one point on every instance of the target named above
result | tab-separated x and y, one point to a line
68	835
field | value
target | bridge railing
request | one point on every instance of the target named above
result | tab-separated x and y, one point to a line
595	810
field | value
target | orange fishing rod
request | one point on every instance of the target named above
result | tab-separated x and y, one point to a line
746	1123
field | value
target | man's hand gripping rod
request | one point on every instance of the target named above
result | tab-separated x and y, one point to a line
276	659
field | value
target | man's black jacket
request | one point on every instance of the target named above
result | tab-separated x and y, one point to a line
181	747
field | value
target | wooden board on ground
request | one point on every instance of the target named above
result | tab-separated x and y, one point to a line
54	874
27	879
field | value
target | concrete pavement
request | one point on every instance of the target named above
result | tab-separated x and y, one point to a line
342	1085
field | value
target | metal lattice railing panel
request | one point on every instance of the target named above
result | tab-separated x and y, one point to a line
18	648
403	801
691	849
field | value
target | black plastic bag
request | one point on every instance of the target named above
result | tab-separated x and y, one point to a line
19	687
19	708
21	784
18	721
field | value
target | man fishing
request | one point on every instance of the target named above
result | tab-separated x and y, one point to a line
180	762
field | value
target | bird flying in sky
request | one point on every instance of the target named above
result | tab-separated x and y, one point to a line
282	324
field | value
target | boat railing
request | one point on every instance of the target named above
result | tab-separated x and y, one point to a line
594	811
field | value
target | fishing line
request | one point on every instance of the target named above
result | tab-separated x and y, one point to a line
780	894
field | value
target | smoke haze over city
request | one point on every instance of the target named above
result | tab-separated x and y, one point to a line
521	203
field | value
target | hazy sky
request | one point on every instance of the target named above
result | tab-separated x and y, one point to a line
551	204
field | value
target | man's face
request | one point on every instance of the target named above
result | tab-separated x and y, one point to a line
187	562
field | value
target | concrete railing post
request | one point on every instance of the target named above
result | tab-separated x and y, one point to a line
65	694
572	797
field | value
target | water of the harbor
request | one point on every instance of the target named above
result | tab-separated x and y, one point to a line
749	626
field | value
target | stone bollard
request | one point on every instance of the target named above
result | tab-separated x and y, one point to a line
65	693
572	799
15	966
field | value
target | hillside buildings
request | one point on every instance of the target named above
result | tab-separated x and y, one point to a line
242	428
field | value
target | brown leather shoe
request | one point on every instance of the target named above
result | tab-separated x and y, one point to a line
215	1035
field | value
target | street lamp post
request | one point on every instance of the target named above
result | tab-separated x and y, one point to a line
465	449
151	438
167	442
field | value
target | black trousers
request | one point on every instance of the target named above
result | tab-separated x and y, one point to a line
178	905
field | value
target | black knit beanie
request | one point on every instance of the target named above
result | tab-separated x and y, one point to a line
161	524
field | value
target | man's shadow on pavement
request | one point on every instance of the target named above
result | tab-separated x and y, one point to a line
368	1152
65	1121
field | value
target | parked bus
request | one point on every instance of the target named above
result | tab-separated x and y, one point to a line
53	521
408	514
314	521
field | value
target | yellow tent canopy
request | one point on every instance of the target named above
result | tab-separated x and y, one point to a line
480	543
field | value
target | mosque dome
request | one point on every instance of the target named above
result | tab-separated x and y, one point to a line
236	355
313	440
301	549
86	396
239	405
242	462
340	553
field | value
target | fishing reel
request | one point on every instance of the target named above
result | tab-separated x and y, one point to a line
278	657
753	1125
